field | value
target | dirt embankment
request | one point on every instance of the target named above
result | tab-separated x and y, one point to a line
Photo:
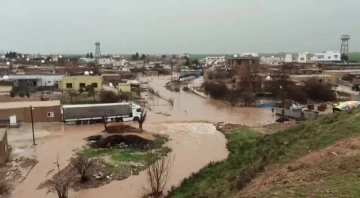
308	174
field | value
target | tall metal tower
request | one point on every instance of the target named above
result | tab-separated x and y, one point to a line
97	51
344	44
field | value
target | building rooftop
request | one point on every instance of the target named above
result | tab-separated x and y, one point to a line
22	104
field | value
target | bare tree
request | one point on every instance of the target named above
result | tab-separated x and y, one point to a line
82	164
158	175
61	185
142	119
91	91
104	121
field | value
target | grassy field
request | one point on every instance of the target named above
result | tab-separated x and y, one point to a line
354	56
252	153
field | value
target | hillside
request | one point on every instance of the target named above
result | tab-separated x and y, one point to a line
319	157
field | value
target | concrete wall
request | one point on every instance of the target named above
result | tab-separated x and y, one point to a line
4	148
124	87
40	114
292	114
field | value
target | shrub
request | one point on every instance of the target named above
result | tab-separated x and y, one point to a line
12	94
21	94
109	97
217	90
186	89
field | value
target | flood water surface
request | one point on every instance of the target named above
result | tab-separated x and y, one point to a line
193	140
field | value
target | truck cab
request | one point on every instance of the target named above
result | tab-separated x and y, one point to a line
136	112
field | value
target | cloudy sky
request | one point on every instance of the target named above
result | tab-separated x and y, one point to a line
177	26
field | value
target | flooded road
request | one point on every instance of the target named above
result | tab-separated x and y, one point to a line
190	107
194	142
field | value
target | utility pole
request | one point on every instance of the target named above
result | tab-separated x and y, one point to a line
32	124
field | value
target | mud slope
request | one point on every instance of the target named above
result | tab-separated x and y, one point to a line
313	159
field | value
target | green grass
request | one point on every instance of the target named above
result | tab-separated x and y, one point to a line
354	56
250	152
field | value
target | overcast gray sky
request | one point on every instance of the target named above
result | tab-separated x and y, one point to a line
178	26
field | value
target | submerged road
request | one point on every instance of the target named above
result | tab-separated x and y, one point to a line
190	107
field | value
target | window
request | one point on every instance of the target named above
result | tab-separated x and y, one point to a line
50	114
302	59
329	57
69	85
49	82
94	85
336	56
138	110
82	85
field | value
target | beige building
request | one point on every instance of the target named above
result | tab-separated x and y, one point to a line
42	111
4	147
321	77
77	82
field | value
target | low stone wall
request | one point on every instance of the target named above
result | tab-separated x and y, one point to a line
198	92
294	114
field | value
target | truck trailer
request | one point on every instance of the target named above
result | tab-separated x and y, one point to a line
95	113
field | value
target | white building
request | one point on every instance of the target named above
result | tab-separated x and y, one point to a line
270	60
104	61
119	63
328	56
36	80
306	57
214	60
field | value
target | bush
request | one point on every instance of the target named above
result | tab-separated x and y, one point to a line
21	94
12	93
319	91
216	90
186	89
27	94
4	188
109	97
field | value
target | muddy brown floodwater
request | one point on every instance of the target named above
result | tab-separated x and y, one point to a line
194	142
190	107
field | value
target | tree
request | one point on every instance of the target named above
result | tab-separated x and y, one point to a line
163	56
344	57
27	94
142	119
158	175
174	56
87	55
72	94
82	164
81	90
61	185
91	91
108	97
251	76
91	55
187	62
143	57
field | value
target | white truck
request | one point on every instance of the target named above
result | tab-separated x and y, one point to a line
95	113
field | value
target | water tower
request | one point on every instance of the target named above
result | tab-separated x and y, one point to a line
344	44
97	51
